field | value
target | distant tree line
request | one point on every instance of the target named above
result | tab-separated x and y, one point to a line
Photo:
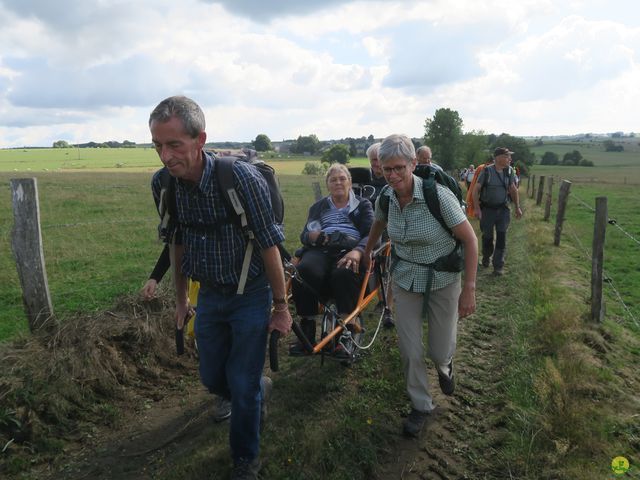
610	146
573	158
110	144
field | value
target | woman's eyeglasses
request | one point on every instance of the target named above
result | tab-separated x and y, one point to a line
399	170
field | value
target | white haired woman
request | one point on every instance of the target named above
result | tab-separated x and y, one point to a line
419	240
333	240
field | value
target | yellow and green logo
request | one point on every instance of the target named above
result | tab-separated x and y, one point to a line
620	465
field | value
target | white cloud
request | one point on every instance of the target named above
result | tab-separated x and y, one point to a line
334	68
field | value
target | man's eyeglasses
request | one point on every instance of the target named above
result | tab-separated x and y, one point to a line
399	170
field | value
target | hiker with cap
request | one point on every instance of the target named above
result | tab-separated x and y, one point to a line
494	190
423	243
232	323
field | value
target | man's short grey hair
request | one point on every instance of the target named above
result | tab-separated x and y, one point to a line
372	151
423	148
337	167
397	146
183	108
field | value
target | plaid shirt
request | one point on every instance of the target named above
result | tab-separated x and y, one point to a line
417	236
214	244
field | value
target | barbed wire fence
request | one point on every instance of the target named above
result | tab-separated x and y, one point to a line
608	279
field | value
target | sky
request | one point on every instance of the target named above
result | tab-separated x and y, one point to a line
93	70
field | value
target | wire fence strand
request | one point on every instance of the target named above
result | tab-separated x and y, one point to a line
608	278
610	221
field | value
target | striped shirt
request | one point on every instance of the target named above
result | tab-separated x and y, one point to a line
337	219
418	237
214	244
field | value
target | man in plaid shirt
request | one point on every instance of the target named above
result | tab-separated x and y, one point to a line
231	330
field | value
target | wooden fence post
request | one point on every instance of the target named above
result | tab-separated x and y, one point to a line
528	183
316	190
26	243
540	190
547	206
563	196
597	259
533	186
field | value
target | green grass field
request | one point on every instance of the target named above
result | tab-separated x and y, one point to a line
563	387
99	223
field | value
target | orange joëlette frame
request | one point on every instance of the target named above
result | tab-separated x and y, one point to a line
363	301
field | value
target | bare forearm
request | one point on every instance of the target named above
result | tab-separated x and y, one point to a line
464	232
374	236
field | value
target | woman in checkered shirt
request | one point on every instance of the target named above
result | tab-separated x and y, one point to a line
418	240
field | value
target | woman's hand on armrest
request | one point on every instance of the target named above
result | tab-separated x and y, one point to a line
351	260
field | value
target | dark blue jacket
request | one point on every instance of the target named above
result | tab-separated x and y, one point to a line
360	213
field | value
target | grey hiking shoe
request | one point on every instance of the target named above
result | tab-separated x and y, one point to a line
222	409
486	261
266	386
414	423
498	272
246	469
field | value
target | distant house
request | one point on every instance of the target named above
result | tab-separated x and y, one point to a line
282	147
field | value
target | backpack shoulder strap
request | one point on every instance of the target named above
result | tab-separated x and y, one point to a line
167	205
224	174
430	192
384	200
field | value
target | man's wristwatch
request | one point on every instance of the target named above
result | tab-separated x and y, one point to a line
279	301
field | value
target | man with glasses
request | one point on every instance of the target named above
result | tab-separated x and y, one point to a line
494	190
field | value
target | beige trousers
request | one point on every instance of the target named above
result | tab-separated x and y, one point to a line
442	329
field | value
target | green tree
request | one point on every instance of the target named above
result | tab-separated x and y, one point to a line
306	144
519	147
473	150
443	134
353	147
314	168
550	158
572	158
61	144
262	143
610	146
338	153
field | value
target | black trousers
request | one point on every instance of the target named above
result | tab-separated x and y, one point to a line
319	271
498	219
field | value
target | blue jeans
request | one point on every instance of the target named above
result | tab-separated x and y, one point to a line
231	331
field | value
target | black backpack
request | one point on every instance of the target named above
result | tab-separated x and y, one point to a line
224	175
431	176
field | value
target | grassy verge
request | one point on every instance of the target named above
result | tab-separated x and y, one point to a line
571	409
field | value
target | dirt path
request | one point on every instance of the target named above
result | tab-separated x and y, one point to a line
458	443
171	423
461	439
